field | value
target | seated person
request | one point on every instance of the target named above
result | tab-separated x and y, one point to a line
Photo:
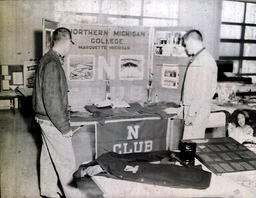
241	130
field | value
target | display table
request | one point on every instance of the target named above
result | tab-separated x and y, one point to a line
86	138
124	131
220	186
84	143
230	107
236	184
12	96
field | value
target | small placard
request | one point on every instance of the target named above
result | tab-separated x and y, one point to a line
6	85
17	78
7	77
5	70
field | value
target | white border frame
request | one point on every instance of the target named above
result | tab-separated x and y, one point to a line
93	70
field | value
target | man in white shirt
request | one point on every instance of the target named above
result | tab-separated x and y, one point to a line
199	86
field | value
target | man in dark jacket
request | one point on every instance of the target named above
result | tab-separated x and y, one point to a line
50	103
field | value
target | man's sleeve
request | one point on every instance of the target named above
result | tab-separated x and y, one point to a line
204	92
52	94
214	79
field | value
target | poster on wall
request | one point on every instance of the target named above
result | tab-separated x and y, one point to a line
121	56
29	70
170	76
81	67
169	43
131	67
121	53
17	78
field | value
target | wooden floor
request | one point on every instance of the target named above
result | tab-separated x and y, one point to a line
19	149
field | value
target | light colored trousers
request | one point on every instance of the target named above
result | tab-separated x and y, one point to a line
199	124
57	161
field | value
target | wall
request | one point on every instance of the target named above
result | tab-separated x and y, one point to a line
204	15
20	29
21	24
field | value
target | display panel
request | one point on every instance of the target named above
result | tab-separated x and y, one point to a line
107	61
224	155
169	64
117	63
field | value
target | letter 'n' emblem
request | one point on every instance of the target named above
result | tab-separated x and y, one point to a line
133	132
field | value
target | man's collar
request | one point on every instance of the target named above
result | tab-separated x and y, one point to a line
194	56
61	58
199	52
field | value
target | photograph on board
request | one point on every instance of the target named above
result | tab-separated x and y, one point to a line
81	67
29	70
170	76
168	43
131	67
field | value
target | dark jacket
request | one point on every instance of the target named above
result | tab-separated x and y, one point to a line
137	167
50	99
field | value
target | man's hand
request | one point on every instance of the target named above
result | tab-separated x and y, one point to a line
189	120
180	112
68	134
73	131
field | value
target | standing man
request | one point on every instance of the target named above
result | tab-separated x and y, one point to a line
50	103
199	86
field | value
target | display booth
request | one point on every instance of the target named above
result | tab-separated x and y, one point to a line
117	66
122	79
129	63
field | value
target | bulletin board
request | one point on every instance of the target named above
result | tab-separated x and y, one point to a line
11	76
108	60
29	70
169	64
130	63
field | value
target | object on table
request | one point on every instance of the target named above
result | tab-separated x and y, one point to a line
188	152
135	167
112	104
224	155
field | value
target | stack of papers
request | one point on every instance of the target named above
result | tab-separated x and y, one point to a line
172	110
102	104
112	103
119	104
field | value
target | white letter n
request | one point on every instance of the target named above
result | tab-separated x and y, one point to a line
133	132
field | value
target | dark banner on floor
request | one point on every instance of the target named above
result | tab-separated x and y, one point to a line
131	136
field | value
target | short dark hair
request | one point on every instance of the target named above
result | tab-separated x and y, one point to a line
61	33
196	34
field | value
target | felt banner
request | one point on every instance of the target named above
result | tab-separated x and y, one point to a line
131	136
